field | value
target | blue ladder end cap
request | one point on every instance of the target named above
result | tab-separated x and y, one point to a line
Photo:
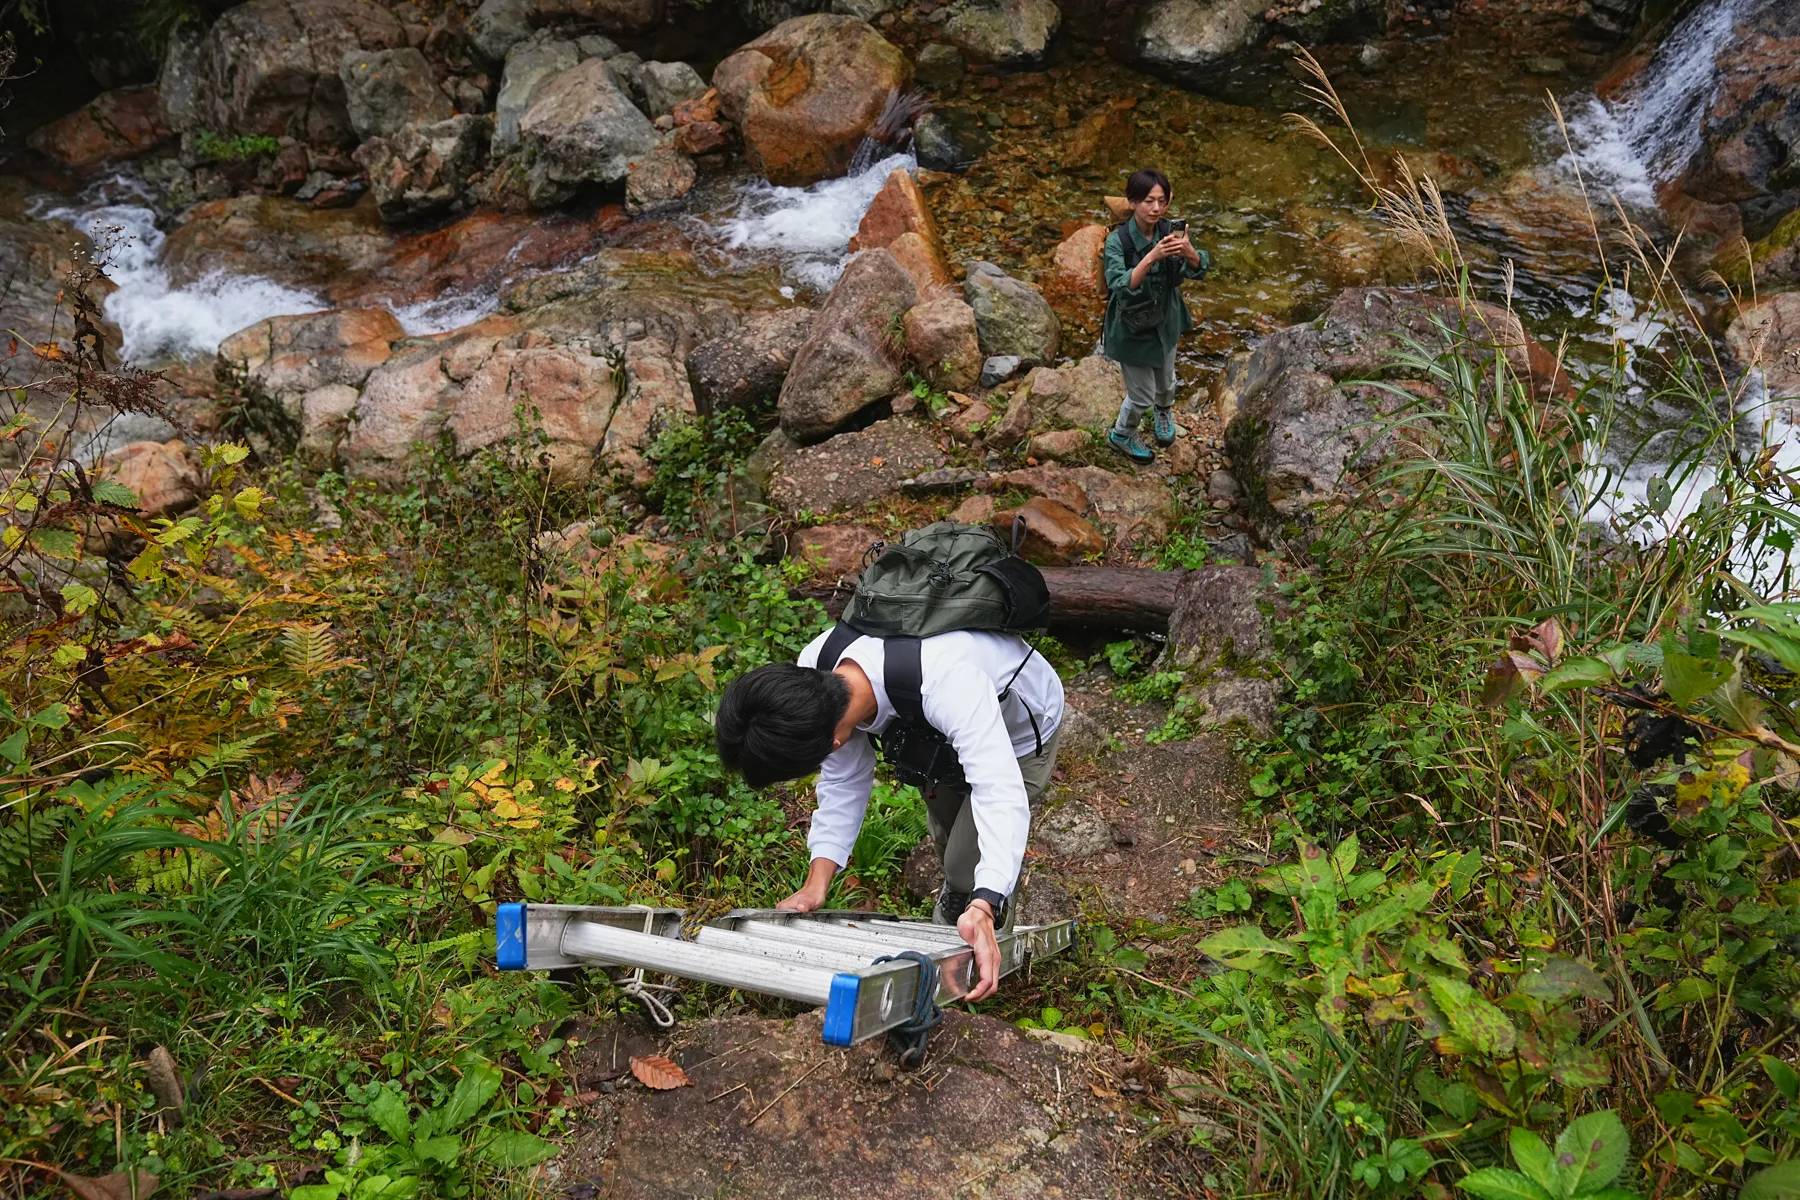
509	937
840	1009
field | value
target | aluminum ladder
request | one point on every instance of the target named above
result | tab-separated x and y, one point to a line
823	957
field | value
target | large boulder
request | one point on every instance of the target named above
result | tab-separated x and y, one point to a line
899	220
667	84
279	361
425	170
385	90
110	128
1299	426
942	341
530	65
745	368
1007	33
270	68
497	26
850	359
1078	261
1219	639
568	390
657	394
806	92
852	470
1191	40
1012	316
1085	395
581	129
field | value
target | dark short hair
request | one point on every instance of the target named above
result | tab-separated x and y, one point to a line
1140	183
778	722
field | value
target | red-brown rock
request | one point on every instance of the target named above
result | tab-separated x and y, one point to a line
159	474
1061	443
899	207
805	93
940	337
1078	259
111	127
833	552
1054	536
701	137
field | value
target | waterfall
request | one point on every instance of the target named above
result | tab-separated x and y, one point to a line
807	230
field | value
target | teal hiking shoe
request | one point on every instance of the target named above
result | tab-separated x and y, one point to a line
1166	428
1131	446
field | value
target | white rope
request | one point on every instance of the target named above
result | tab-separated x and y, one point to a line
636	988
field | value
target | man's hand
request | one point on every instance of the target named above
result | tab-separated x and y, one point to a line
812	893
976	926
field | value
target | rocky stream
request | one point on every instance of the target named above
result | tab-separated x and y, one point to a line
349	226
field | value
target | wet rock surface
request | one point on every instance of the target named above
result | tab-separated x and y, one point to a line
849	359
745	368
108	129
805	93
1766	335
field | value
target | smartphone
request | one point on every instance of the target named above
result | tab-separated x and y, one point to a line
1178	226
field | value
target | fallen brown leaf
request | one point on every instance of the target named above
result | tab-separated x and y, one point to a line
117	1186
659	1073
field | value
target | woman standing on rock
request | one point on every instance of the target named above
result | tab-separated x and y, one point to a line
1146	258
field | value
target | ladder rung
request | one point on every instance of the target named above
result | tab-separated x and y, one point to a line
728	968
836	958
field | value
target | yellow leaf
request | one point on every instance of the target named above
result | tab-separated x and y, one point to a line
565	784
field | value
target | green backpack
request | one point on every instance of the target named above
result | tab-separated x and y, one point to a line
947	577
939	579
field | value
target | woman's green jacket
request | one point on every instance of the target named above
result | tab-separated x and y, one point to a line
1151	348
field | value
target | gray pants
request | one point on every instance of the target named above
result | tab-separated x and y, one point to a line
1144	387
951	819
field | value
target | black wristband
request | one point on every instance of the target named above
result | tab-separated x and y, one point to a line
995	900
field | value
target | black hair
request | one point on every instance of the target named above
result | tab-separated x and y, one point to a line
778	722
1140	183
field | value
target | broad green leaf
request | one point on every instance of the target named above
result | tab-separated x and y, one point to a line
111	491
1441	948
1687	678
380	1187
248	502
1243	945
54	716
147	565
1779	1182
515	1148
316	1191
13	748
1493	1183
477	1086
1473	1016
1579	672
1371	921
1581	1067
68	654
1343	859
1311	874
1687	991
1562	977
444	1148
388	1110
1590	1153
56	543
1533	1157
1783	1076
79	597
1462	874
1783	648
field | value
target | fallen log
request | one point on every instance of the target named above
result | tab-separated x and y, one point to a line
1135	598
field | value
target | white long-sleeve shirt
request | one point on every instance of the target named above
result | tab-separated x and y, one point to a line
963	674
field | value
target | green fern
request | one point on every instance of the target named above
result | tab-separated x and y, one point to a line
228	755
308	649
469	948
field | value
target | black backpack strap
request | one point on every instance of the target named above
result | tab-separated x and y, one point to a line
836	642
904	678
1006	691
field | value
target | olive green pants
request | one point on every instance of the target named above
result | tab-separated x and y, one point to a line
951	819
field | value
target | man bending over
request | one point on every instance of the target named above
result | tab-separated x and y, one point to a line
971	718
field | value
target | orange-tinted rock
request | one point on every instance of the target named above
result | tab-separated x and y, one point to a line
111	127
899	207
1054	535
976	510
1078	259
571	392
833	552
159	474
285	357
701	137
697	109
805	93
966	423
924	261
